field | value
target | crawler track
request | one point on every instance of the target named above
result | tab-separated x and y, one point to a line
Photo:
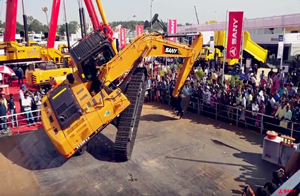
128	121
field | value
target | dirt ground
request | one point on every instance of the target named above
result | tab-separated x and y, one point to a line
192	156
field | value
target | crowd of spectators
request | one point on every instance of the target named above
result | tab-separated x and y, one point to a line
30	103
245	92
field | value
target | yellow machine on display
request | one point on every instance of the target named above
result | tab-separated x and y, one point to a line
206	56
250	47
15	52
94	97
38	74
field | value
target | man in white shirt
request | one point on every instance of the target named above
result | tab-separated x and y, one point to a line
21	97
207	95
26	103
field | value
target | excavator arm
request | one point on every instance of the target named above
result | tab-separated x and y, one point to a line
152	45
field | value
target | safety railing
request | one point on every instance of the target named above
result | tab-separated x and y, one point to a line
236	115
13	124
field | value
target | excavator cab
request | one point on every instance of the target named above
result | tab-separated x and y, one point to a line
89	56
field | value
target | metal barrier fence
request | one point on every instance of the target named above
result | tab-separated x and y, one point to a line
237	116
20	122
16	123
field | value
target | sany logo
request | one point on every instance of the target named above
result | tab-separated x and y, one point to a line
234	34
140	30
170	50
123	37
281	191
172	26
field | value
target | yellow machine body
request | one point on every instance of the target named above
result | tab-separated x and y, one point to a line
99	109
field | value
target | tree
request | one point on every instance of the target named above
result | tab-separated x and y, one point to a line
19	27
72	28
36	26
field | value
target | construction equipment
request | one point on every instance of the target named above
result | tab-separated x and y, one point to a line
38	74
19	54
94	97
205	56
250	48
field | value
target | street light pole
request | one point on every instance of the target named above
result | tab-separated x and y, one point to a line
45	10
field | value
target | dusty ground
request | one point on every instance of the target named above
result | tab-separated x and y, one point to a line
192	156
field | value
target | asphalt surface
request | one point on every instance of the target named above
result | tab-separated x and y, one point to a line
192	156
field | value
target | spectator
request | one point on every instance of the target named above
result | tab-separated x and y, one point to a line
37	100
21	97
12	110
262	75
3	118
20	75
27	103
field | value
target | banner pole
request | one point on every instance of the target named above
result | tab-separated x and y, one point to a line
281	58
225	48
242	46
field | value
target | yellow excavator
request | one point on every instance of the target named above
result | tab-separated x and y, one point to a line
94	96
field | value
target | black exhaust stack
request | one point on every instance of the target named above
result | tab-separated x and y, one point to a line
25	23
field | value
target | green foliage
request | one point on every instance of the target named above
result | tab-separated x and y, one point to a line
161	73
35	25
200	74
72	27
179	66
234	80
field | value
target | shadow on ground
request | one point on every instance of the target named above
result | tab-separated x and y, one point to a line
156	118
253	173
35	151
244	134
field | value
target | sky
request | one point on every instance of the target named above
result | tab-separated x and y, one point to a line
182	10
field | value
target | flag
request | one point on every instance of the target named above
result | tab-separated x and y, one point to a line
172	29
234	38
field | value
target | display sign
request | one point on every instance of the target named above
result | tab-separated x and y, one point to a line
234	38
172	29
280	47
122	37
211	44
139	30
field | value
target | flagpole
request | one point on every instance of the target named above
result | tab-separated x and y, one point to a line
225	48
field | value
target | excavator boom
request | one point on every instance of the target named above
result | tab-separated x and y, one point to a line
153	45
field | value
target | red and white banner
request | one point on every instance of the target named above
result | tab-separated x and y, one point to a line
139	30
235	28
122	37
172	29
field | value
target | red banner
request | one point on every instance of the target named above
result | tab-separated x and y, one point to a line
235	28
139	30
172	28
122	37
